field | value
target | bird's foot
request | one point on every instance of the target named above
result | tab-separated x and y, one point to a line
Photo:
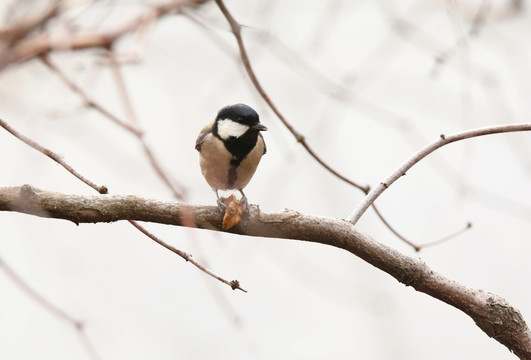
244	203
221	204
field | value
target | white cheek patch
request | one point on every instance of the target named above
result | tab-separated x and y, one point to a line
228	128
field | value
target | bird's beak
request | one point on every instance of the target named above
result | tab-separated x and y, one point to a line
260	127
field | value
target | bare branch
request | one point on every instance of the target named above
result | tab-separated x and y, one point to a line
416	247
444	239
491	313
86	99
443	140
9	35
42	43
234	284
54	156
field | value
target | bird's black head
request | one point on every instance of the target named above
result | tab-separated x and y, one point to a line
239	113
238	126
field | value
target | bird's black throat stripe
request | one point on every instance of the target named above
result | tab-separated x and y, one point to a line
239	147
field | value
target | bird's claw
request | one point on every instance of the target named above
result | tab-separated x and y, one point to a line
244	204
221	204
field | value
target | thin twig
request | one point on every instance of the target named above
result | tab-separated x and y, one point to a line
116	71
54	156
417	247
86	99
78	325
443	140
446	238
393	230
206	28
234	284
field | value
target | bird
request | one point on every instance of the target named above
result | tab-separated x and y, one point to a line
230	149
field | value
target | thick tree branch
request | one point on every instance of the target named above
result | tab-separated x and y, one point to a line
490	312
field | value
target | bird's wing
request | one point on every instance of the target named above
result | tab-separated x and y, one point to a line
261	137
202	135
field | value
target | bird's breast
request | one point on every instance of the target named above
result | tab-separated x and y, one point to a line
219	172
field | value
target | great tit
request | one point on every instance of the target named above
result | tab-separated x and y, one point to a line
230	148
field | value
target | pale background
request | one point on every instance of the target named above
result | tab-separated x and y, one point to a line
305	301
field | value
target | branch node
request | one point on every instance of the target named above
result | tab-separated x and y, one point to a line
27	191
234	284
